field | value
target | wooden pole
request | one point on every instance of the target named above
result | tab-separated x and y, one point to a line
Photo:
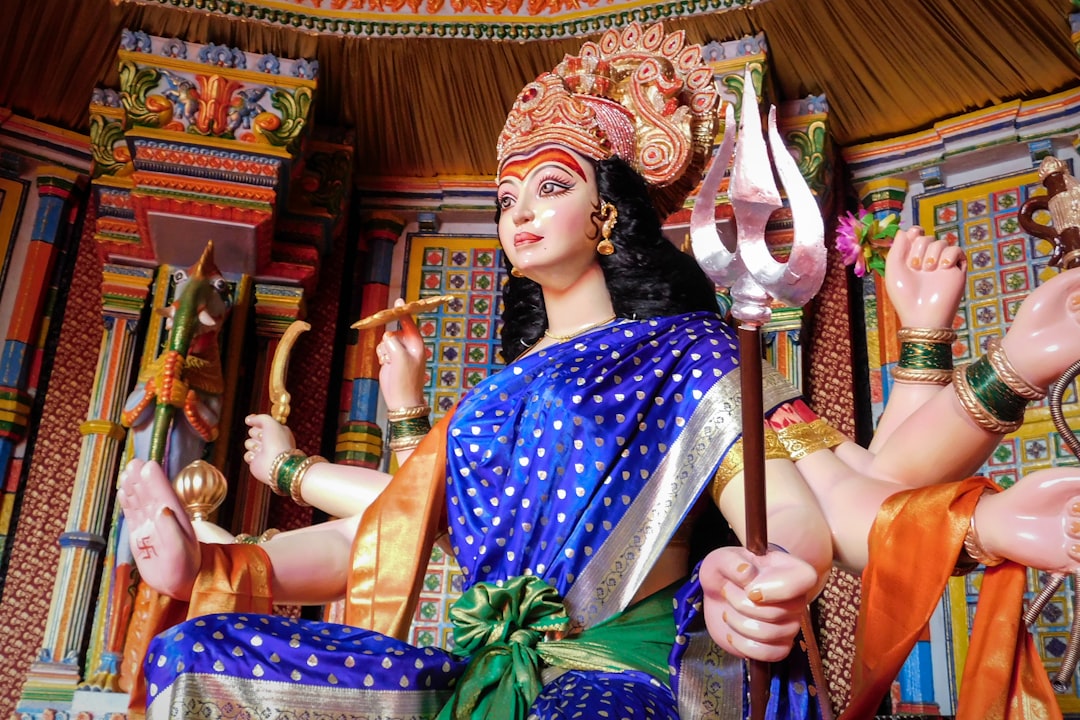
757	536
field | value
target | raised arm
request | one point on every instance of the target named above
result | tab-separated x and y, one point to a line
925	280
402	358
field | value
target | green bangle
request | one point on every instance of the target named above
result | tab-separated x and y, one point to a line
285	471
994	394
409	428
923	355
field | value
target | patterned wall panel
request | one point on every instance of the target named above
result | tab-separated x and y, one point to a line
462	342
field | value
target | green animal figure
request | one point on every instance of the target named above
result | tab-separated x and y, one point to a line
187	376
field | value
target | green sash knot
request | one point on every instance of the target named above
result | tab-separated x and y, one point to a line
501	628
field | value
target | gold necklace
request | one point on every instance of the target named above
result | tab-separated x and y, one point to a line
579	331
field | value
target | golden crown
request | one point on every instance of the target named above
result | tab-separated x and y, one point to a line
644	96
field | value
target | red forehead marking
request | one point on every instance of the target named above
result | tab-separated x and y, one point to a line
518	169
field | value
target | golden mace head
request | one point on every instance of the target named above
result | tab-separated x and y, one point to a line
201	487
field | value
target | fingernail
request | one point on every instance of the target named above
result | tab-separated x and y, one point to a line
167	512
743	567
1075	509
723	616
916	263
930	263
1074	528
730	639
755	595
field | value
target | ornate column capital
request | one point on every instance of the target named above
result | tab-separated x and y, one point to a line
883	195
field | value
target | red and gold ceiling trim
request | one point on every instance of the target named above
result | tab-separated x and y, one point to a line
476	19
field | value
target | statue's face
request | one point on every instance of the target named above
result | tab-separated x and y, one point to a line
550	220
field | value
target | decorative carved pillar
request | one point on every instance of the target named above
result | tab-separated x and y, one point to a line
56	674
276	307
881	197
55	186
360	439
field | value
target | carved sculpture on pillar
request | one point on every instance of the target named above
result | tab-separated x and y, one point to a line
186	376
1062	202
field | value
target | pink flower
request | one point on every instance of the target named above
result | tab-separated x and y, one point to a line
862	240
849	232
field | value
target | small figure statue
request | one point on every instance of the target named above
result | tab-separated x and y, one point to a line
243	107
1062	202
187	375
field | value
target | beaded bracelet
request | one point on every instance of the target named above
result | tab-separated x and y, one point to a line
974	547
990	402
275	468
405	428
925	355
407	434
296	481
975	550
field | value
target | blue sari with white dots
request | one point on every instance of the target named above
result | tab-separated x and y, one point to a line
576	464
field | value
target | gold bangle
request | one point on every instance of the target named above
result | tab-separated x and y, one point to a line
1007	373
932	335
298	478
246	539
975	409
974	548
407	413
275	466
734	462
408	442
802	439
271	532
929	376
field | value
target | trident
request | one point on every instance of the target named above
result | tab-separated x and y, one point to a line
755	279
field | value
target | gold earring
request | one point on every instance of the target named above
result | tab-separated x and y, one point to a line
516	273
611	215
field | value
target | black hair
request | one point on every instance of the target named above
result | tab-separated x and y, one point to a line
647	276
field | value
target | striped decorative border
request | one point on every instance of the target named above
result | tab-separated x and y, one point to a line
466	24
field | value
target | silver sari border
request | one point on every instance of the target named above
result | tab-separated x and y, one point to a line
619	567
712	683
225	697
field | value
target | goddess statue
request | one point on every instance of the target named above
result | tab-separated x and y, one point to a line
567	485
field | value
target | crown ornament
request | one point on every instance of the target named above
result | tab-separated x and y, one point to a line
639	94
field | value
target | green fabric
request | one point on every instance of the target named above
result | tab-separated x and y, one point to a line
502	629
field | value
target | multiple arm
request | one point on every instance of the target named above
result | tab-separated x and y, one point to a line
820	509
926	436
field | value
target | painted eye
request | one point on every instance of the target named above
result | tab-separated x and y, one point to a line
551	187
505	202
179	276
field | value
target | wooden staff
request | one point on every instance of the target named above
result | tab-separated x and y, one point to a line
755	278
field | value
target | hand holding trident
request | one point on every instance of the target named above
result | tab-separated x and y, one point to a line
755	279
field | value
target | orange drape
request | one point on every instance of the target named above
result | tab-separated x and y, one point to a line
914	545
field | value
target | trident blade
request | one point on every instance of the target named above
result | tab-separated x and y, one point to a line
796	281
754	197
720	263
